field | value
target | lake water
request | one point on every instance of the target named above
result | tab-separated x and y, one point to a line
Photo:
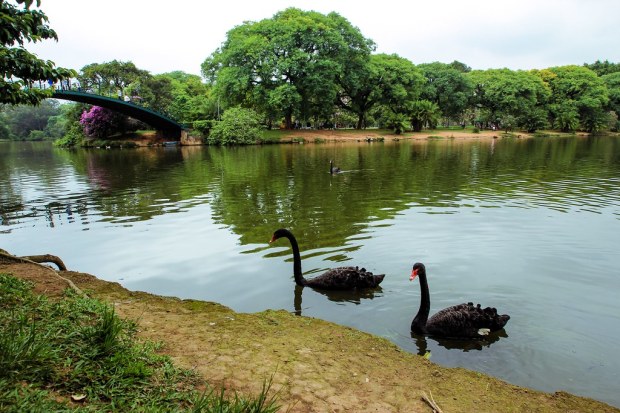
531	227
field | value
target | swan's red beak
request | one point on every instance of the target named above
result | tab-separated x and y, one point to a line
414	273
273	239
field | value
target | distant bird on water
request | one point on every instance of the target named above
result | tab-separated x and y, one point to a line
333	169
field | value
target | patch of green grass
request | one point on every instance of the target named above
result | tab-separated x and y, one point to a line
51	351
539	134
272	136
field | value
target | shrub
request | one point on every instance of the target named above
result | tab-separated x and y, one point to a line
397	122
73	137
203	126
238	126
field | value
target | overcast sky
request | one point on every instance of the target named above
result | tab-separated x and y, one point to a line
165	35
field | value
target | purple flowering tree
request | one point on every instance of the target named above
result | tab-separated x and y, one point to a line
99	122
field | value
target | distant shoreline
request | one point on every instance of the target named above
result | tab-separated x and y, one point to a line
348	135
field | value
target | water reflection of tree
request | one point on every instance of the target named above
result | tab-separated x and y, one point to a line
255	190
260	190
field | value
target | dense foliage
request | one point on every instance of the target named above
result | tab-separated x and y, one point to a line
306	69
288	66
32	123
238	126
299	68
21	71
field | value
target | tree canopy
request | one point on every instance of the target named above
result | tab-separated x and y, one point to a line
504	94
20	69
578	98
307	68
289	64
448	87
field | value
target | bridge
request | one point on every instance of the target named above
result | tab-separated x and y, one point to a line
168	126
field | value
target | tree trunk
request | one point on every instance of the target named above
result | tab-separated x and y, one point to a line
360	120
288	121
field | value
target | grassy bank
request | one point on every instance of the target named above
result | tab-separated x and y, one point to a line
75	352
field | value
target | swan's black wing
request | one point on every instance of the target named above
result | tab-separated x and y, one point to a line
345	278
466	320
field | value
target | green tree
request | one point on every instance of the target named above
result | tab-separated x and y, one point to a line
286	66
22	120
112	78
381	79
21	70
156	93
397	122
612	81
577	89
461	67
565	116
192	99
451	89
424	113
507	94
603	68
73	132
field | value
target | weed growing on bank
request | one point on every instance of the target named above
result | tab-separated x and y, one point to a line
76	353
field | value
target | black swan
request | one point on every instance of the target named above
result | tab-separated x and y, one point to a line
458	321
341	278
333	169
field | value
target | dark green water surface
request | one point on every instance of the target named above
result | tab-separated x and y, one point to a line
531	227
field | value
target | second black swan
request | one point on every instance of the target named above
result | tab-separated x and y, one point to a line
459	321
341	278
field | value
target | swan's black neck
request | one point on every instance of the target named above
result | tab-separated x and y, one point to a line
418	325
299	278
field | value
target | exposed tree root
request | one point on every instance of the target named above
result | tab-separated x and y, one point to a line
431	402
37	260
46	258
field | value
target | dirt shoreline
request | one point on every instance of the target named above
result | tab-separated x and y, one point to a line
315	366
369	135
311	136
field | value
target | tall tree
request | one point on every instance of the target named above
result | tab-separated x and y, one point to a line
22	71
112	77
576	90
450	88
612	81
23	119
424	113
190	98
603	68
286	66
504	94
390	80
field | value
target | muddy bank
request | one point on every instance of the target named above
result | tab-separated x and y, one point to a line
315	365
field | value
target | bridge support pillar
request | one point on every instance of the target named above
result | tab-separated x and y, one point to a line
187	139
